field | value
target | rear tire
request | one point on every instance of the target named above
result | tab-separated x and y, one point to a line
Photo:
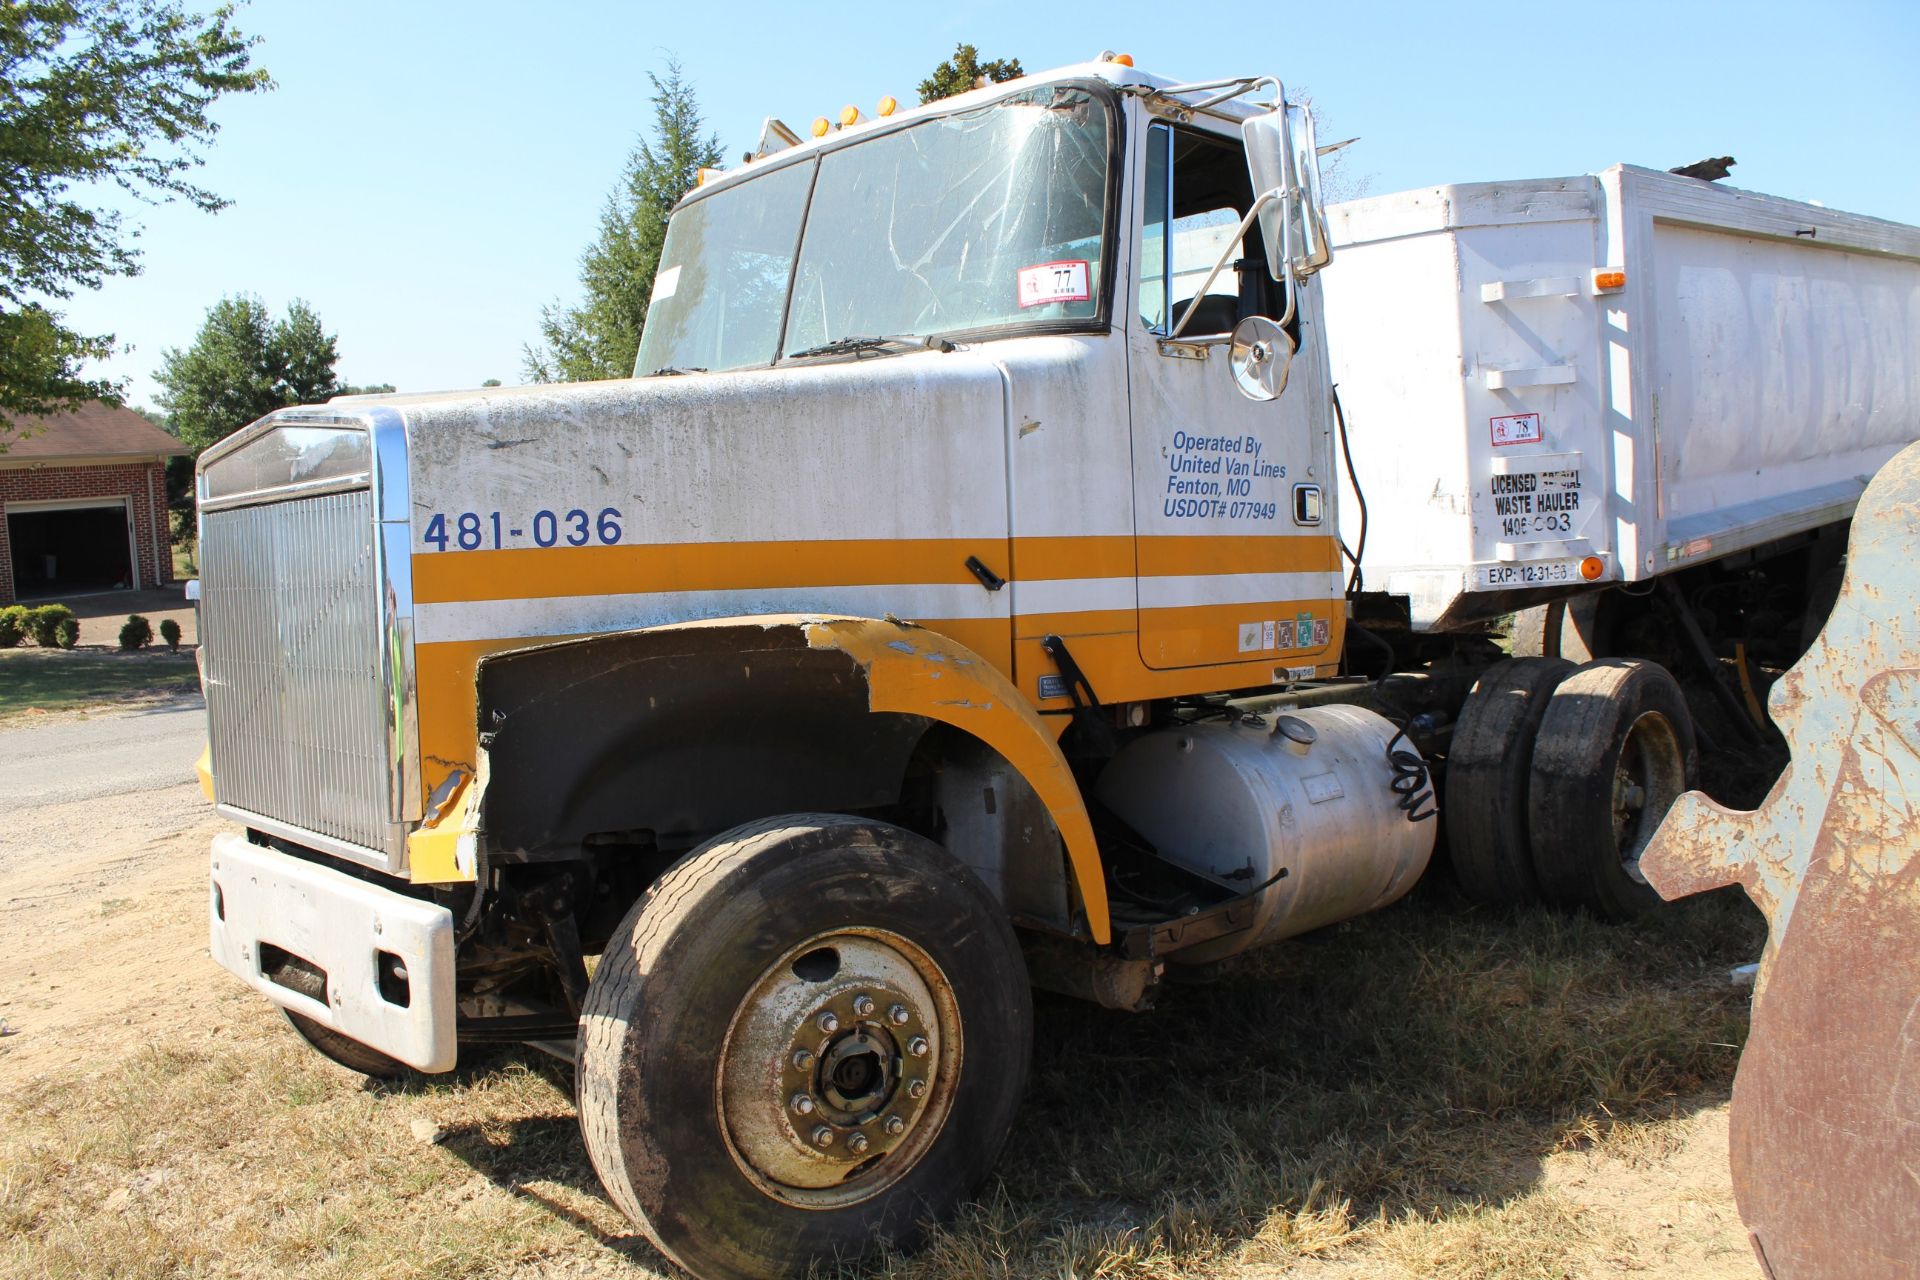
1487	772
1571	629
810	1037
1614	751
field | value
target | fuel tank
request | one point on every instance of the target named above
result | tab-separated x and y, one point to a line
1307	791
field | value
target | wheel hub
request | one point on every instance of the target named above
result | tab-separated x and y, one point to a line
839	1068
1648	776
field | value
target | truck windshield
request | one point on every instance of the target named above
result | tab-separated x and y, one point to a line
984	218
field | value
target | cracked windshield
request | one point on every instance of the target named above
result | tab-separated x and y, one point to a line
984	218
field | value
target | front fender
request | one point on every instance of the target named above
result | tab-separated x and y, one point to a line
707	724
918	672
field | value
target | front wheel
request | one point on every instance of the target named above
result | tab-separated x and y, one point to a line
810	1037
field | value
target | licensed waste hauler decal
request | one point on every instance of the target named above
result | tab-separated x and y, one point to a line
1535	504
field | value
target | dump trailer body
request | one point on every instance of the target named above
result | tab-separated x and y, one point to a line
1629	372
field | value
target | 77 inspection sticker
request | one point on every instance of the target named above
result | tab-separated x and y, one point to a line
1055	282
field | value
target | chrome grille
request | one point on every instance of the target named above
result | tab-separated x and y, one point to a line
290	641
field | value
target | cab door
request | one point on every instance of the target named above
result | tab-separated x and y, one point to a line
1236	554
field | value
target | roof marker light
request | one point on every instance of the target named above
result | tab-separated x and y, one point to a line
887	106
820	127
849	116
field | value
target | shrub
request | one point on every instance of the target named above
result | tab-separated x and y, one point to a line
66	632
170	632
45	621
135	633
13	626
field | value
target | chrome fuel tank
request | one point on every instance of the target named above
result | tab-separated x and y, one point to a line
1308	791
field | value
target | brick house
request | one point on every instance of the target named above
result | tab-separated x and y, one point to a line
83	505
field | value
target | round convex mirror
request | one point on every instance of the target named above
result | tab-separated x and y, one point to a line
1260	356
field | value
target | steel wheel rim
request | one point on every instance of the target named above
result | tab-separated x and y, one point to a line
1648	776
839	1068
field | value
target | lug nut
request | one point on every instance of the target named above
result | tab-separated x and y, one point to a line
827	1022
863	1005
822	1136
857	1143
801	1104
897	1014
917	1046
895	1125
916	1088
802	1060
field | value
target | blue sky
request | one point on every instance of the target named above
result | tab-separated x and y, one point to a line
426	174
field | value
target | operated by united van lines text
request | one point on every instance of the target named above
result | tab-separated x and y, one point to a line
1210	476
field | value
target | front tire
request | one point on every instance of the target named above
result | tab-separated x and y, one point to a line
811	1036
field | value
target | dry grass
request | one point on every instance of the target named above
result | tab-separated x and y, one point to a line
1377	1100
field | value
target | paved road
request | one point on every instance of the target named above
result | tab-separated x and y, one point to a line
104	755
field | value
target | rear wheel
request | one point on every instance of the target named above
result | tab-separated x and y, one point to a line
1574	629
1487	768
809	1037
1614	751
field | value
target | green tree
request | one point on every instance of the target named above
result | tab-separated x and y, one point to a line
599	337
242	365
965	71
94	94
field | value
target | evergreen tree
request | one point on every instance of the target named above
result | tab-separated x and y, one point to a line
243	365
93	94
965	71
600	336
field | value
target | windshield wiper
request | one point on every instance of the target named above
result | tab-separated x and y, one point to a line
846	346
671	370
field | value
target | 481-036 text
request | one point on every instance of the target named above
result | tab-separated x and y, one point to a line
474	530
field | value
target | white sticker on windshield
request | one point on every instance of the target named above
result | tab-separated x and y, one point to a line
1055	282
665	283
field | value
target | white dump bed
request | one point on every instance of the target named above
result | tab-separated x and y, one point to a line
1512	415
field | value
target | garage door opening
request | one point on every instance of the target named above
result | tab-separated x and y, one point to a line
65	551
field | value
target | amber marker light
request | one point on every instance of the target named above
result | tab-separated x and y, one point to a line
849	115
1609	281
887	107
1124	59
820	127
1592	567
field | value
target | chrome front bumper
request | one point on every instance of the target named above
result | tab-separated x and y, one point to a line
384	960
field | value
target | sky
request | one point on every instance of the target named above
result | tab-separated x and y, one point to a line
426	174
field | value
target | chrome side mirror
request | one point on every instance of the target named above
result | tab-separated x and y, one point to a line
1259	357
1294	227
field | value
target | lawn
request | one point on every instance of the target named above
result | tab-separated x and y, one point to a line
32	678
1380	1099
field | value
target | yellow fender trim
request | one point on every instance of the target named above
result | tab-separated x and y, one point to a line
436	853
919	672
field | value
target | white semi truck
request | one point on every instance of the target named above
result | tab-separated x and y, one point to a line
956	599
